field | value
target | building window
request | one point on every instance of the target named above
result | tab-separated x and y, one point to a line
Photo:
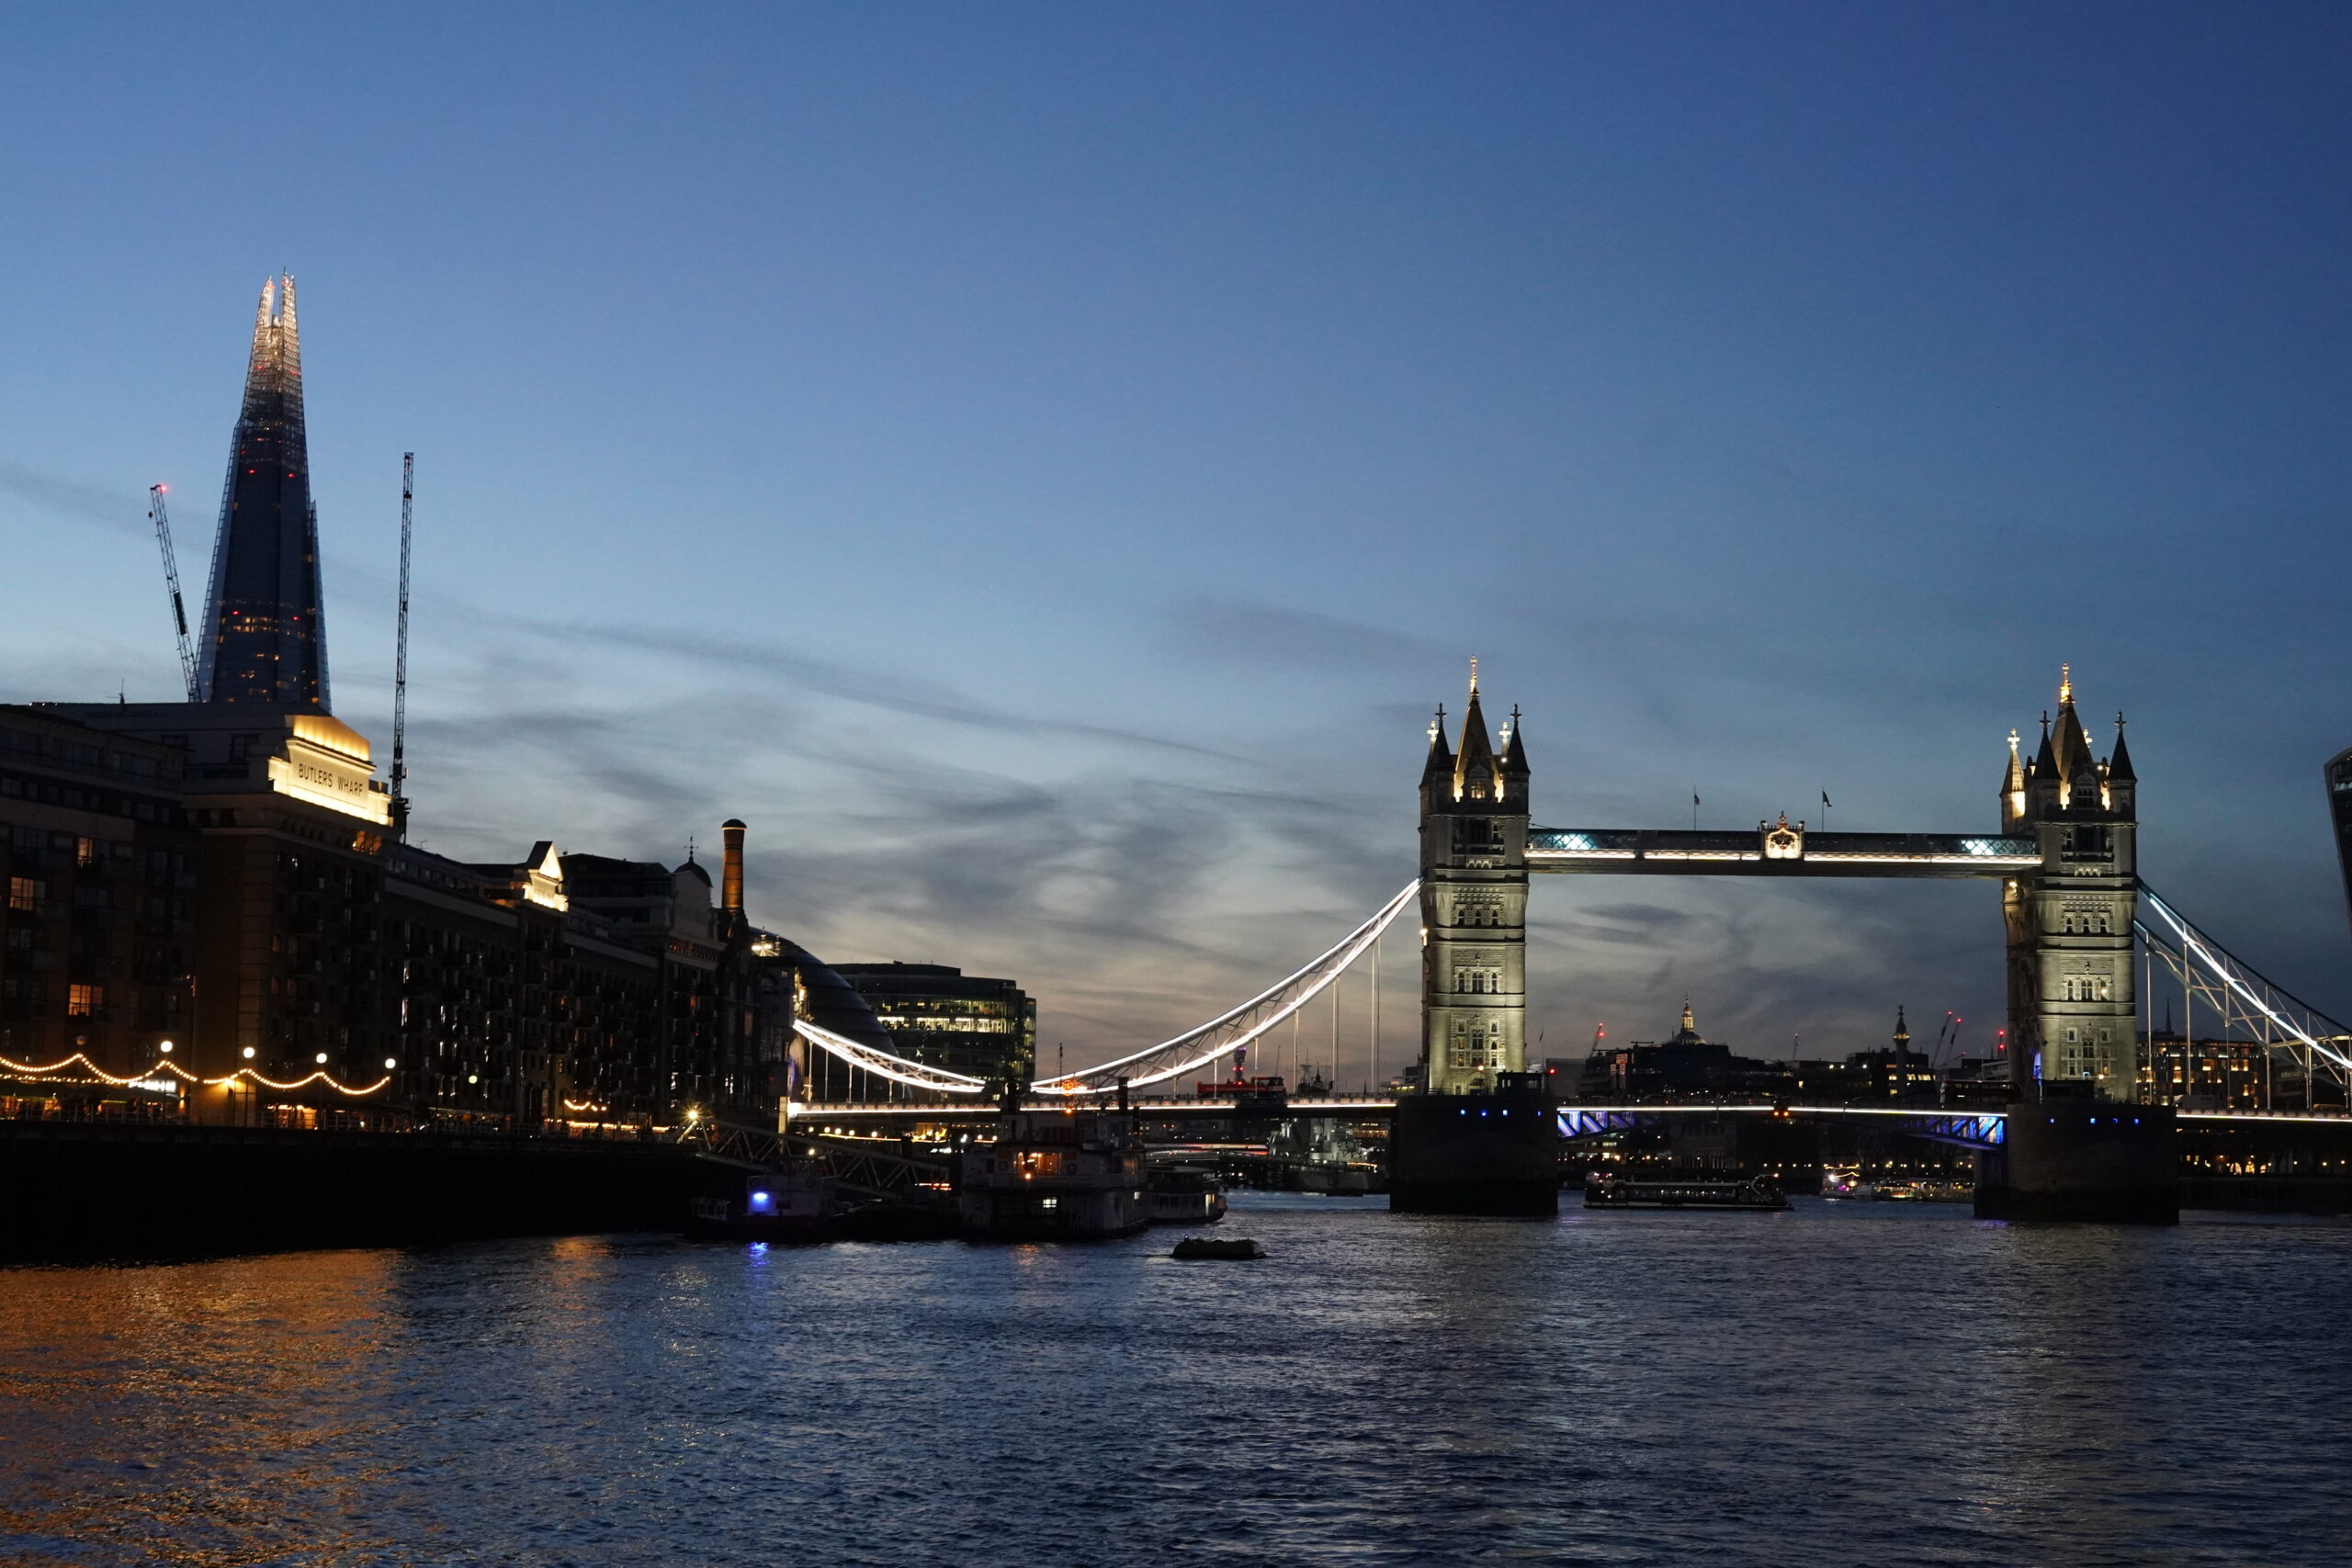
85	853
24	893
82	1001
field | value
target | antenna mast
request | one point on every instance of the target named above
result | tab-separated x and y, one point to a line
399	664
162	521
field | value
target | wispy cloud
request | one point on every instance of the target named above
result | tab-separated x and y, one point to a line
891	690
124	512
1248	632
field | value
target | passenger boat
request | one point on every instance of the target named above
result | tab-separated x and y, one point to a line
1757	1193
1183	1195
1923	1192
1844	1181
1074	1175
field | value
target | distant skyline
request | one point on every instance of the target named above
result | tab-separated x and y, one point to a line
1041	467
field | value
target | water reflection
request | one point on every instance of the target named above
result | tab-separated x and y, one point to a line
169	1413
1835	1387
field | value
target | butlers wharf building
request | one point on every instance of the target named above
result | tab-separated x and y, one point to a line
207	916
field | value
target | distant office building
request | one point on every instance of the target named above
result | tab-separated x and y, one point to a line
1687	1066
1685	1063
1896	1075
944	1018
2339	810
2221	1075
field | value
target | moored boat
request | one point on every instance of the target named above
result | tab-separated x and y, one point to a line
1840	1181
799	1203
1074	1175
1759	1193
1183	1195
1923	1192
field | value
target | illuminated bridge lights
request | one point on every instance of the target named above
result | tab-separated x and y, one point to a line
1921	854
1975	1129
2185	949
1969	1129
1187	1053
1928	854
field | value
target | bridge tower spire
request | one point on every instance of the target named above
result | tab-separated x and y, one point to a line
1474	905
2073	1011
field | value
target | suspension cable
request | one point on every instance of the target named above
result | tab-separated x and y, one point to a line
2194	947
882	1064
1319	974
1104	1078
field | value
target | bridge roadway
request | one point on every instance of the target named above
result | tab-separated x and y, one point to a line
1577	1120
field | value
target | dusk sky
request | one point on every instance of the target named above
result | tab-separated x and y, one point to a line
1040	465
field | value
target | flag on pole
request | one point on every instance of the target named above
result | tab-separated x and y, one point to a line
1824	800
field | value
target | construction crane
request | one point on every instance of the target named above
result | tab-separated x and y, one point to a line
162	521
400	663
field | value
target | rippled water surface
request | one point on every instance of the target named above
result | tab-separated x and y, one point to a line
1850	1384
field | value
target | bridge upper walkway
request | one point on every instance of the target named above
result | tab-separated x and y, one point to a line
1676	852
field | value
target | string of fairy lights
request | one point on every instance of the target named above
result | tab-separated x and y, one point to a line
165	1068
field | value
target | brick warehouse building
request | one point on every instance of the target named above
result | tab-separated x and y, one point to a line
159	891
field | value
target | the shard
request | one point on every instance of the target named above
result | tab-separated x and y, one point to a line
263	638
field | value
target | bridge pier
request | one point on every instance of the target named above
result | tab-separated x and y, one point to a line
1488	1152
2083	1158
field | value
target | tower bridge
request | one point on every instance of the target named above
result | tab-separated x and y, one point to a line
2075	917
2065	857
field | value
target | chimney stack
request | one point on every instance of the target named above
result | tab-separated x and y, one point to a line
730	886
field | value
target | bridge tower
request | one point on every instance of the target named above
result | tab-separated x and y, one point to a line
2072	1014
1474	905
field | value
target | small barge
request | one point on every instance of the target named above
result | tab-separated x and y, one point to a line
1756	1194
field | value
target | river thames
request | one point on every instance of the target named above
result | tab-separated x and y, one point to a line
1842	1385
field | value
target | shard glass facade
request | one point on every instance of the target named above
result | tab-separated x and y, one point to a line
263	638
